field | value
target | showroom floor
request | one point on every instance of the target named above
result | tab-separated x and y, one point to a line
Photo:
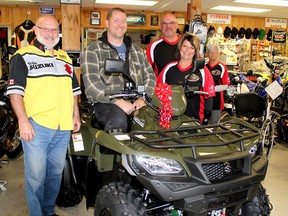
13	203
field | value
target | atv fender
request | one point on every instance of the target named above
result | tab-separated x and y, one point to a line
68	172
92	176
96	178
111	142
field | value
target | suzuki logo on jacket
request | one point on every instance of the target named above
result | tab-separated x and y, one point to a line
34	65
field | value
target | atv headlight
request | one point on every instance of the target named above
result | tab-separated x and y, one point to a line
160	166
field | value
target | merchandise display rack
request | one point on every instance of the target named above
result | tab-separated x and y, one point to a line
260	49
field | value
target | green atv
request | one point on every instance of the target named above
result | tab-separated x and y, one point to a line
189	169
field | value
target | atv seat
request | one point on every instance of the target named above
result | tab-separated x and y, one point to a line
249	105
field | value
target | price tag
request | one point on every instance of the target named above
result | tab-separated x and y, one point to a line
77	142
274	90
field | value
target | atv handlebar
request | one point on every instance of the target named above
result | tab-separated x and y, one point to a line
123	95
200	92
190	90
131	93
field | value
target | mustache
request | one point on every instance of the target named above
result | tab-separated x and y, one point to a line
52	39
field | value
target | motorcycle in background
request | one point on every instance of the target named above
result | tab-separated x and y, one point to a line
280	107
10	143
253	101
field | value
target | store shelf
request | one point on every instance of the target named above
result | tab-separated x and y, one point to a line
260	49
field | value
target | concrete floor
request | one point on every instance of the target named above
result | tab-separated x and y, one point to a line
13	202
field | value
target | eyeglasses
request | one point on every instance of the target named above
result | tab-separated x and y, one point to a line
116	20
47	30
213	52
168	23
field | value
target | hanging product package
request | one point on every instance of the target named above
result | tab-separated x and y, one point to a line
199	27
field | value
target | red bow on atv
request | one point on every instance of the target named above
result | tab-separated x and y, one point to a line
164	93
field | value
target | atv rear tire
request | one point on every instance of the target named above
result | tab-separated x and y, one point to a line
69	196
259	206
117	199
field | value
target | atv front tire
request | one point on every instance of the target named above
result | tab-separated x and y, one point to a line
117	199
259	206
69	196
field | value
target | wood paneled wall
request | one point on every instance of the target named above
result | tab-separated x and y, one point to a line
85	18
6	16
15	15
71	27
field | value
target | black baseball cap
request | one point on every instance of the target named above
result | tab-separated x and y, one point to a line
248	33
227	32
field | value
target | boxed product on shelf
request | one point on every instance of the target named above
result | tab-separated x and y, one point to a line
228	57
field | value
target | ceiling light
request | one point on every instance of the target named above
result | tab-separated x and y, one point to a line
127	2
265	2
242	9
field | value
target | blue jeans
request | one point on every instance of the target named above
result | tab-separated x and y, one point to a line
44	159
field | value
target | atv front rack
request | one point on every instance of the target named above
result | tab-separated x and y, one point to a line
197	136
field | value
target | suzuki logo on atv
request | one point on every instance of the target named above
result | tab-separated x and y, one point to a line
34	65
227	167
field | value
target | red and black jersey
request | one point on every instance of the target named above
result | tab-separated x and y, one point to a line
221	77
160	52
173	74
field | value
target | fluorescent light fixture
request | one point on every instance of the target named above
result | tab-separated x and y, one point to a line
265	2
127	2
241	9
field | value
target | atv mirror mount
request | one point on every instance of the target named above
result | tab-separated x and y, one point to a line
117	67
197	64
114	66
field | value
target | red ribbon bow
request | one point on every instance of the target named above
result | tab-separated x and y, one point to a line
164	93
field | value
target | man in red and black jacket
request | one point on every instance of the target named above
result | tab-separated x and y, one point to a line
162	51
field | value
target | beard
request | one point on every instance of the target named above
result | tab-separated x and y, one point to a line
49	41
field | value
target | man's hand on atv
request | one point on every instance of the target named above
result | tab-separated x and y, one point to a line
126	106
139	103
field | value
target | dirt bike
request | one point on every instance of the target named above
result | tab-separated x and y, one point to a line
10	143
279	108
255	105
188	169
